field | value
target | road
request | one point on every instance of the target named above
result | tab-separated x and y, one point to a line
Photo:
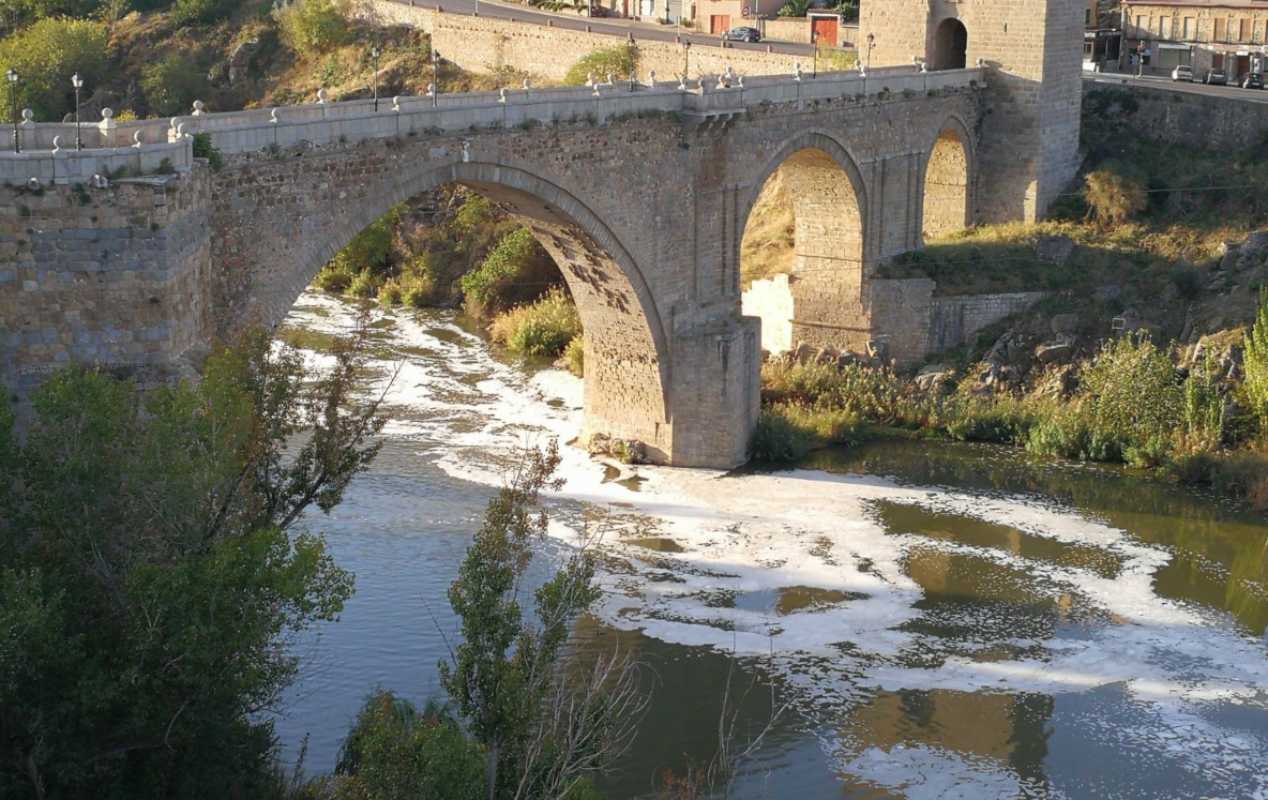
606	25
1154	82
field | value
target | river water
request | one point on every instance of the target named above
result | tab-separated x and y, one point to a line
942	621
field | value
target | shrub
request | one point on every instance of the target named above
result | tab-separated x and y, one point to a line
363	285
1133	391
794	8
787	431
371	249
1115	192
396	752
575	355
543	328
417	290
334	278
313	26
45	55
203	148
1255	363
620	61
172	84
484	285
191	12
390	293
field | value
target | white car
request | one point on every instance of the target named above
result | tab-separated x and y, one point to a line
1182	73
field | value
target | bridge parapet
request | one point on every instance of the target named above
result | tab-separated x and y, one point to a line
147	146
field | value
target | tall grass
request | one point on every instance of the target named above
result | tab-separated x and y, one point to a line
542	328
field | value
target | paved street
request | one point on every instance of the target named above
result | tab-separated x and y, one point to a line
1254	95
612	26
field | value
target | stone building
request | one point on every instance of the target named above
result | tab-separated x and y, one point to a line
1231	35
1031	114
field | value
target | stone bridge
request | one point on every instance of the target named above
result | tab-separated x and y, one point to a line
640	192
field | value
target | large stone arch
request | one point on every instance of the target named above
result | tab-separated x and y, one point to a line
949	45
947	177
627	354
824	305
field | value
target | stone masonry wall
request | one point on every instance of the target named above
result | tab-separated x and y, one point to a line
954	320
482	44
115	276
1217	122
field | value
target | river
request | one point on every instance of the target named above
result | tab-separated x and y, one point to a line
943	621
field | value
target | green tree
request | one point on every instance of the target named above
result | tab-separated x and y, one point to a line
1256	363
45	56
396	752
794	8
152	568
543	726
313	26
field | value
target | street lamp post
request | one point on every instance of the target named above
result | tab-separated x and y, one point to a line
78	83
686	59
374	54
12	77
435	81
814	69
871	42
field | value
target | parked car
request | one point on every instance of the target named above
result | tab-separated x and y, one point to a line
1253	80
1182	73
743	34
1215	76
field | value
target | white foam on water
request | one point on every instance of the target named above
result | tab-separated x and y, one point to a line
760	533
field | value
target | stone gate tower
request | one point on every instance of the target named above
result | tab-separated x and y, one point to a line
1029	137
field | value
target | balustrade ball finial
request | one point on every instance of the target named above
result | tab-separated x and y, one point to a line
431	90
136	138
28	116
502	95
57	144
199	106
651	79
273	116
589	79
396	103
527	86
321	96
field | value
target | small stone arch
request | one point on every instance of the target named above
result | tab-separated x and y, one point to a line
824	303
948	170
949	46
627	354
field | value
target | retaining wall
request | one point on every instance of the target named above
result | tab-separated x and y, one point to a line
1208	121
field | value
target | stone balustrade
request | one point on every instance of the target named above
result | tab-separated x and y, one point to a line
139	147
